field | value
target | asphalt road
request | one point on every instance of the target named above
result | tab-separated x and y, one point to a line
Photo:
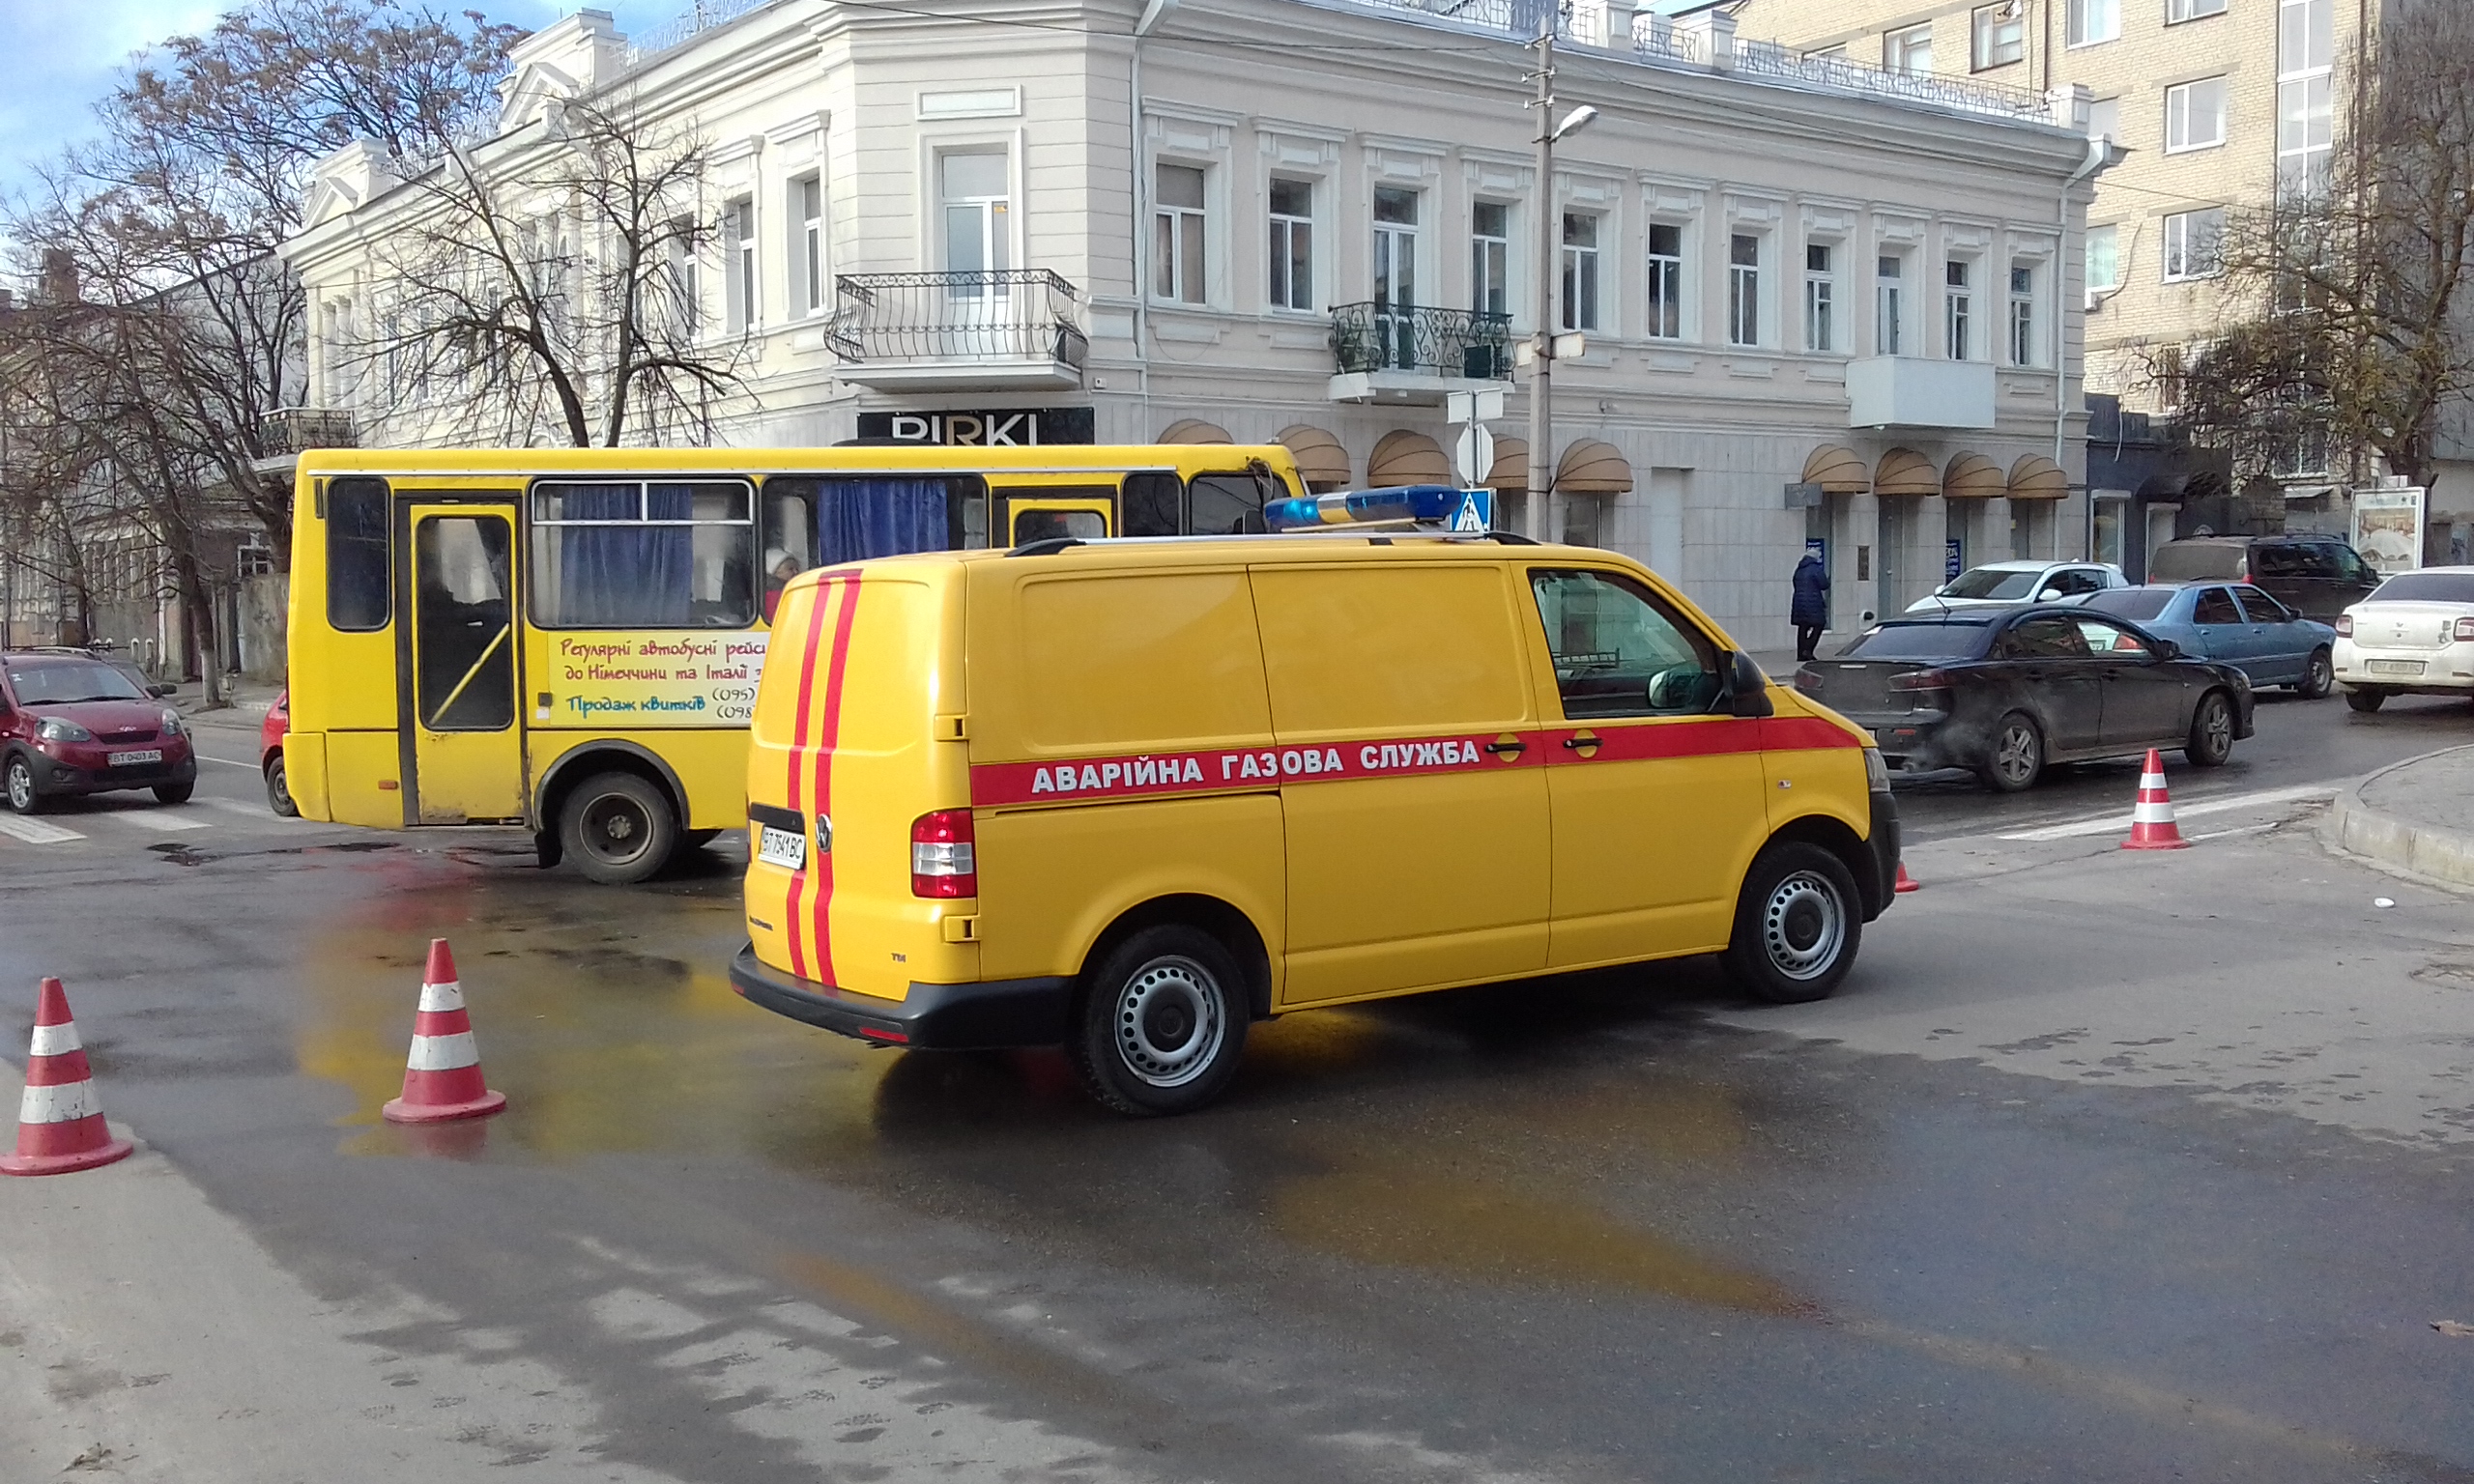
2101	1167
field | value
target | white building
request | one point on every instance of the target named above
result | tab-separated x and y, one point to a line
959	222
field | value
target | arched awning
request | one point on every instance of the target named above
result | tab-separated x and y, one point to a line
1194	430
1591	466
1403	457
1906	472
1321	460
1838	469
1974	476
1509	475
2037	477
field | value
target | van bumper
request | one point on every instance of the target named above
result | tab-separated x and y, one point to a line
988	1015
1884	844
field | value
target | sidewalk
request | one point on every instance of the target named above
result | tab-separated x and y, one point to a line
246	711
2416	816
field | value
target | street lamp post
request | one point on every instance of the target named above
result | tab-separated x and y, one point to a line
1542	511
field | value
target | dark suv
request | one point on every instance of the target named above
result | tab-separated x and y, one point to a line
2319	574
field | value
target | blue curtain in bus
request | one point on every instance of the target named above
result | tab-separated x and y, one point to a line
633	575
856	519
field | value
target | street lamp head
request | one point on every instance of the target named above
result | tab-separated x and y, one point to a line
1573	123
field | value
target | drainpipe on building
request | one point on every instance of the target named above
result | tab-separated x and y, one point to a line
2100	153
1152	12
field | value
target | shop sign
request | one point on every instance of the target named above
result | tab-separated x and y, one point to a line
1018	427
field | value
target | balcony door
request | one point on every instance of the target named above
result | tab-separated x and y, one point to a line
979	232
1395	276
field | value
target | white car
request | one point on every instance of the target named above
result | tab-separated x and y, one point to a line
2413	636
1999	583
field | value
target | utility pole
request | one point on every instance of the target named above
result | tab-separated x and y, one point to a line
1542	366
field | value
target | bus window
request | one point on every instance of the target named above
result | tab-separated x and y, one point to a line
1152	498
1230	505
357	581
790	535
1049	525
636	555
464	676
854	518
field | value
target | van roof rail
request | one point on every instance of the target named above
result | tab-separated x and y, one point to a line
1048	547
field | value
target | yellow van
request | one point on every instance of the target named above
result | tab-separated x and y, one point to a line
1129	796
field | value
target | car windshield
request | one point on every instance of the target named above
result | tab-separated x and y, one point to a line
2426	588
1919	641
2132	602
2175	563
59	682
1991	583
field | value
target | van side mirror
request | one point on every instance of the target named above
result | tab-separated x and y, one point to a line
1747	689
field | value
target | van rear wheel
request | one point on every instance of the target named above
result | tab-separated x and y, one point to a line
618	828
1798	924
1163	1022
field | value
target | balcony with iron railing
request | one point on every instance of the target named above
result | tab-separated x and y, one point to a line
990	330
1404	353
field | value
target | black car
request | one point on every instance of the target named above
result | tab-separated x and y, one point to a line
2318	576
2004	691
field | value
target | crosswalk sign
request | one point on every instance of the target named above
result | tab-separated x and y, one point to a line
1477	512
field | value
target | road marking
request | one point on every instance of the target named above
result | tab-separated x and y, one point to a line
2121	821
228	763
249	811
165	817
35	832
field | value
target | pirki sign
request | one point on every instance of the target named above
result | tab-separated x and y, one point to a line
1027	427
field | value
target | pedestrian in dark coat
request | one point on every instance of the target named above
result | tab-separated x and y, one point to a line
1810	612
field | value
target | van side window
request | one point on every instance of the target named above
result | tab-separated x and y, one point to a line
358	580
2268	559
1619	650
644	556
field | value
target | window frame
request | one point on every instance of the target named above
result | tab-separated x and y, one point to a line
1981	56
2075	29
1821	298
533	542
1889	303
2180	96
1582	266
1743	290
814	282
744	290
1665	272
1281	289
2183	11
2111	233
337	489
2181	251
1900	48
1179	233
2022	322
1489	252
1958	308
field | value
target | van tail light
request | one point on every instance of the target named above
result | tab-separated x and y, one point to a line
2346	625
2465	628
942	862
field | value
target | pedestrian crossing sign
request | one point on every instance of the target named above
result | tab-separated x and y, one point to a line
1477	512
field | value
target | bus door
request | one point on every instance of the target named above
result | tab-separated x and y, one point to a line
1033	514
463	753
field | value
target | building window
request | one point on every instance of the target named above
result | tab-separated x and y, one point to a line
2104	261
807	196
2022	314
1580	270
1743	288
256	559
979	227
2192	244
2178	11
1908	51
1395	275
686	279
1821	294
1889	308
1958	310
1292	244
2306	58
1490	257
2087	21
2195	115
746	303
1177	235
1666	281
1999	35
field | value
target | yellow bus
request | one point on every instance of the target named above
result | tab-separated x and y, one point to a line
569	640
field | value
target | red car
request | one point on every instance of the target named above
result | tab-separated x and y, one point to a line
270	734
73	724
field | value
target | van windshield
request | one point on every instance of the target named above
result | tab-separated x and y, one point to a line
2175	563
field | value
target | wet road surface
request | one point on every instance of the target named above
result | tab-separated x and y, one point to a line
1986	1216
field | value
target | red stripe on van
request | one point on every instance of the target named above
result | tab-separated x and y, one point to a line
847	590
799	752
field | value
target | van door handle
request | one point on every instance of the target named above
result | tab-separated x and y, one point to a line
1581	741
1507	747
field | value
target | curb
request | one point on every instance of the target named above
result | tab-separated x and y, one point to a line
2355	828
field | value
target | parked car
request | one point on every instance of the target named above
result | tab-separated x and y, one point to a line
2318	576
2006	692
2235	622
71	723
271	733
1998	582
2412	637
127	667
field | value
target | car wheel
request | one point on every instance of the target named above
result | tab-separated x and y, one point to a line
23	795
1163	1022
174	793
2365	700
279	789
618	828
2016	758
2318	677
1798	923
2211	738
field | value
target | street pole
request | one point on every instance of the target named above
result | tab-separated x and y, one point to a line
1542	366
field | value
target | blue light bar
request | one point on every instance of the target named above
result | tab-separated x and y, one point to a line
1428	503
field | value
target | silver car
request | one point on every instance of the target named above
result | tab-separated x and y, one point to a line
1997	584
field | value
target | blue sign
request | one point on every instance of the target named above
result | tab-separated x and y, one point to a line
1818	546
1477	512
1956	561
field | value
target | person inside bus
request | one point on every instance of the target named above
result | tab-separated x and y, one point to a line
780	566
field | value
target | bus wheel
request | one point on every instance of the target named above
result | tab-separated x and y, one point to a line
618	828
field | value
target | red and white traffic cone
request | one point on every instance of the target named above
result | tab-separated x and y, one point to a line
1906	883
2151	818
443	1075
60	1122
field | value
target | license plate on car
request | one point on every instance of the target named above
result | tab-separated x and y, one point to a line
131	760
2393	666
785	848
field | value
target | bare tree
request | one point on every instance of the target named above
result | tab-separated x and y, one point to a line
550	289
2348	313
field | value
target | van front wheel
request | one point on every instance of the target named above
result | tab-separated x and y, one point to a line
1163	1022
1798	924
618	828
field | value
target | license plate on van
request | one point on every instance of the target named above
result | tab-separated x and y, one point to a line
785	848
